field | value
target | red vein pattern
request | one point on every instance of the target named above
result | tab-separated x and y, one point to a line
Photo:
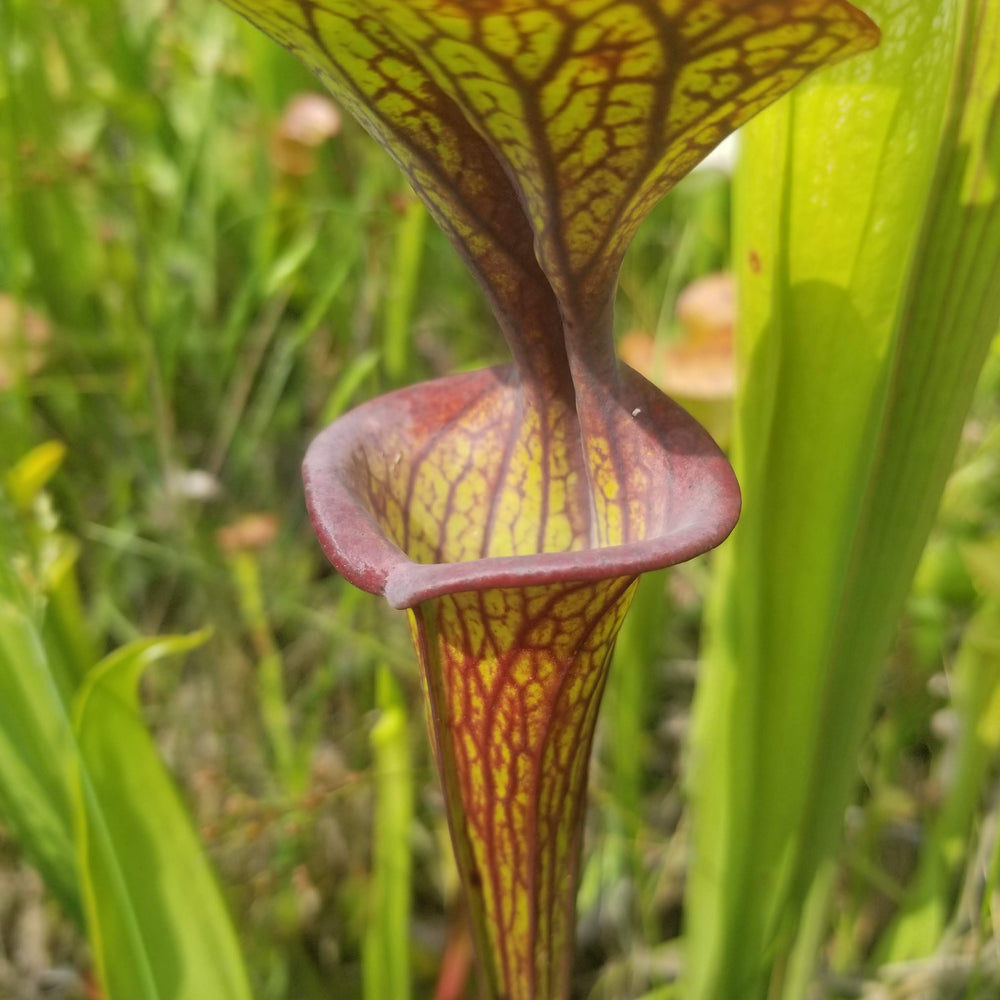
514	682
435	497
512	509
551	127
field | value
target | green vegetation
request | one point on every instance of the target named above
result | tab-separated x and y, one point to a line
189	290
861	348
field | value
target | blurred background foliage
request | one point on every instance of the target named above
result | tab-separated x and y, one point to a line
202	263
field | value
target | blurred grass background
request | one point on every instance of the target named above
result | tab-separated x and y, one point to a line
197	272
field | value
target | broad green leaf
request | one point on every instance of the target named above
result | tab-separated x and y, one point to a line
868	224
158	925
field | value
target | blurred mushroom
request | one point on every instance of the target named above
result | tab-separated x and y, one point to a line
308	901
24	337
250	532
307	122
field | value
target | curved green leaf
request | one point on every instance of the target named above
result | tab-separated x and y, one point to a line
158	925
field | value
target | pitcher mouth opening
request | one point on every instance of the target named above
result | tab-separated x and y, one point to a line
678	492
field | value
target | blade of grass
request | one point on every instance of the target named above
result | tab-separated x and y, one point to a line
402	290
357	370
387	935
975	683
56	257
272	700
275	378
36	757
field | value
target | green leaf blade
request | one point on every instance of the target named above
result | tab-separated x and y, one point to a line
387	936
37	756
157	921
867	317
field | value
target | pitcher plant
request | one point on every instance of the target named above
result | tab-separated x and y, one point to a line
511	510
